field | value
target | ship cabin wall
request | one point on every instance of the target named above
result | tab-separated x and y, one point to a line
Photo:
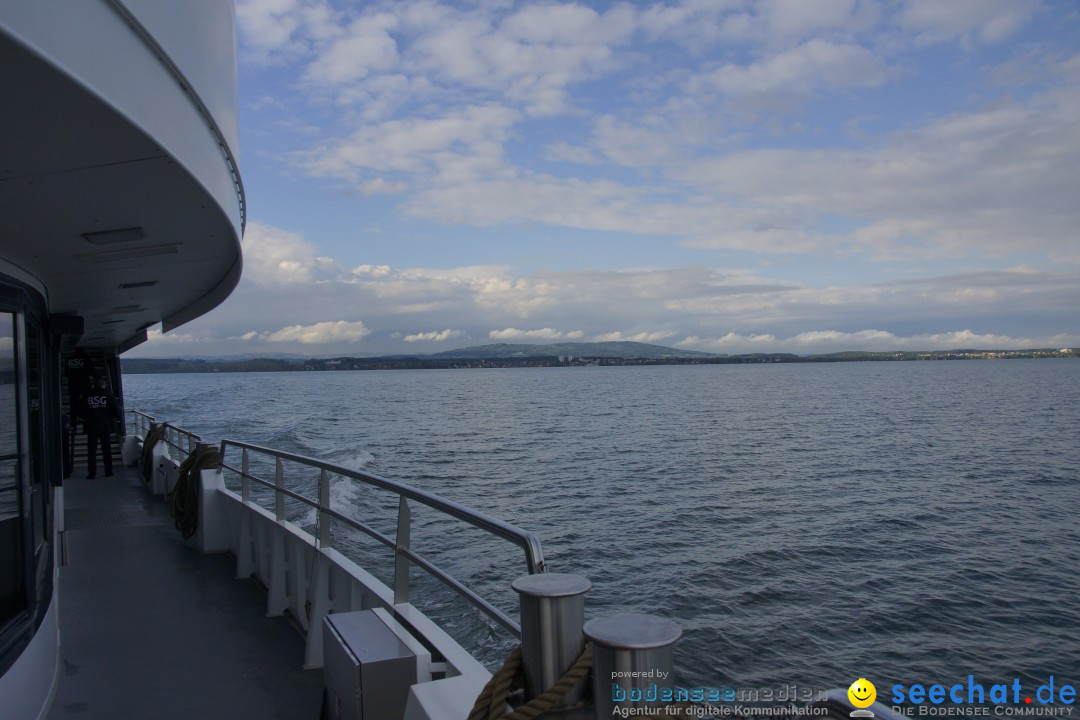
30	476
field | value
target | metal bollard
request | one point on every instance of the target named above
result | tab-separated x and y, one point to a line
552	614
632	661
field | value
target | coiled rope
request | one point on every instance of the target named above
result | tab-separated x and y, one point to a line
491	703
185	501
146	460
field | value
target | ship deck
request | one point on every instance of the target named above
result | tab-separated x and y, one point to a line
151	628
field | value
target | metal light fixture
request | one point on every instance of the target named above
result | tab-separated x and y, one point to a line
108	237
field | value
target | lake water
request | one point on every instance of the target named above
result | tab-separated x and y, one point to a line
805	524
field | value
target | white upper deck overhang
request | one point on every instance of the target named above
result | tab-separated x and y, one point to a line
119	197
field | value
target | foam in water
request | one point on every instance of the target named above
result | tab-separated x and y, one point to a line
345	498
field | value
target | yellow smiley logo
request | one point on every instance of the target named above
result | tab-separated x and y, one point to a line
862	693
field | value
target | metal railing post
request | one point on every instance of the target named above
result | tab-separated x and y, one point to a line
632	661
401	562
324	505
279	484
245	487
552	614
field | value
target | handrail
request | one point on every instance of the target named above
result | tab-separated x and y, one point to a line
174	435
141	422
404	555
183	442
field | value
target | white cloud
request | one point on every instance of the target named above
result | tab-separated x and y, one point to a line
182	339
416	145
641	337
274	31
365	46
826	341
712	309
375	271
434	336
800	71
861	339
730	343
378	186
441	99
795	19
988	21
993	181
275	255
320	333
541	334
565	152
570	25
996	179
267	25
531	56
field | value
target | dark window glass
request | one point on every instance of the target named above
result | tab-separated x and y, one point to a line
12	576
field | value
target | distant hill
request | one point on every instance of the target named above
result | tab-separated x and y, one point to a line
623	350
232	358
505	355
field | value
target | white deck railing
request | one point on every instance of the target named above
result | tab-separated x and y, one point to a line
404	555
309	578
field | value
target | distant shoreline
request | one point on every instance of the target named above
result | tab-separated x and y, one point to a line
145	366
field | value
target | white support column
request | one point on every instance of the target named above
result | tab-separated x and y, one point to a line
298	578
320	605
159	464
244	564
277	597
264	544
213	530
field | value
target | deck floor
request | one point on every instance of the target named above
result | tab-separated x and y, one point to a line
151	628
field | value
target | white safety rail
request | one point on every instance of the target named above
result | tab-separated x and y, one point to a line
139	422
180	442
307	577
172	449
404	555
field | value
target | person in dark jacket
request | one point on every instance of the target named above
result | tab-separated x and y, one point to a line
99	409
81	378
66	449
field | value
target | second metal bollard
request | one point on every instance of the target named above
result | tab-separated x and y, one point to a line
632	661
552	615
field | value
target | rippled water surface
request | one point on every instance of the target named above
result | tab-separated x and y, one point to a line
810	524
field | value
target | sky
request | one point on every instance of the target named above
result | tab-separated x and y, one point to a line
729	176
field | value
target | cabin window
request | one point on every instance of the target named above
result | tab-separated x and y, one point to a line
12	566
